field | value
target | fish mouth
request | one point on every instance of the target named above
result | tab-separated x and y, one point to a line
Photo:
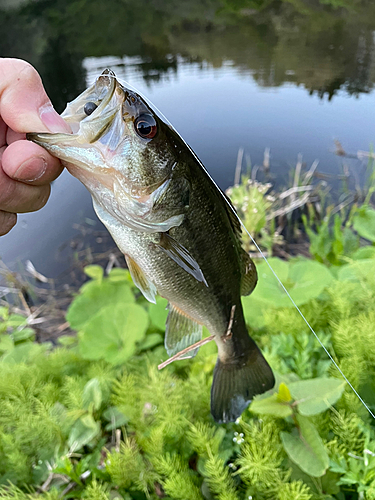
107	95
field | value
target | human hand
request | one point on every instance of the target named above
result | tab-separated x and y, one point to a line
26	170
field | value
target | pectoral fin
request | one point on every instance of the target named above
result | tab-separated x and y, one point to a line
181	256
249	274
140	280
181	332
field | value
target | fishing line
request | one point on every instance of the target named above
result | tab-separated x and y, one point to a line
262	255
286	291
304	319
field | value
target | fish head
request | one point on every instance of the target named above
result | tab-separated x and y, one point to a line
116	140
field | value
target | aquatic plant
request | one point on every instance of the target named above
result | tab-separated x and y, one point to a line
94	418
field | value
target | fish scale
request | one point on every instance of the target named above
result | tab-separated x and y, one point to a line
174	227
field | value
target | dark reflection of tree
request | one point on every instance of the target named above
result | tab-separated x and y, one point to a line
62	72
323	48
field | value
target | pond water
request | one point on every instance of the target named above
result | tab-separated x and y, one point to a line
229	74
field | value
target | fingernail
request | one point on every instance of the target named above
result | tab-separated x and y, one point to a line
53	120
31	169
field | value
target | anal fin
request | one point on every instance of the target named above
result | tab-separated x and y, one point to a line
249	275
181	332
140	280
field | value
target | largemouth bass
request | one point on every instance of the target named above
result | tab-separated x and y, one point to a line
180	236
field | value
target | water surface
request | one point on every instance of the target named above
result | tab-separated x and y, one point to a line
227	75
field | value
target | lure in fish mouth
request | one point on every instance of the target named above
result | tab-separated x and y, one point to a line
179	235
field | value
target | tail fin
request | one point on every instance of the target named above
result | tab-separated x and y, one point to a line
237	380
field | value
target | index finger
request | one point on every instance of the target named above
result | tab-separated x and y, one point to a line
24	104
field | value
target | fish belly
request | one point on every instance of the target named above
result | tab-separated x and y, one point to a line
193	298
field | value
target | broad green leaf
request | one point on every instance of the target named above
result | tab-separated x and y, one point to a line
310	279
316	395
357	271
367	252
6	343
96	296
158	313
16	320
94	272
253	311
4	312
150	341
120	274
271	406
92	394
115	418
268	289
22	353
304	280
67	340
364	223
306	449
112	334
83	432
350	242
24	334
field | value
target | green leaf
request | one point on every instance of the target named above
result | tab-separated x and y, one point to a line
254	311
83	432
6	343
95	296
120	274
67	340
16	320
367	252
283	394
112	333
306	450
364	223
316	395
94	272
357	271
271	406
158	313
22	353
24	334
92	394
115	418
151	340
304	280
350	242
4	313
310	279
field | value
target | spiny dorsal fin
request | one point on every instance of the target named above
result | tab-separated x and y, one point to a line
181	332
140	280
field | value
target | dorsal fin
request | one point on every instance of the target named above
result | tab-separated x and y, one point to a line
248	270
233	219
249	275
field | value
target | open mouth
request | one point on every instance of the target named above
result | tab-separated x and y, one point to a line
88	116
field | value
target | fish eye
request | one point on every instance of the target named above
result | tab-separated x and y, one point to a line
89	108
145	126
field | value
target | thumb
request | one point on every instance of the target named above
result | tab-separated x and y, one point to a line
24	104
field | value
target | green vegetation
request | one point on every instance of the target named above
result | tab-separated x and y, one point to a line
334	233
94	418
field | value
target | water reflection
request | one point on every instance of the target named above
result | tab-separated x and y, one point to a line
227	73
320	48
